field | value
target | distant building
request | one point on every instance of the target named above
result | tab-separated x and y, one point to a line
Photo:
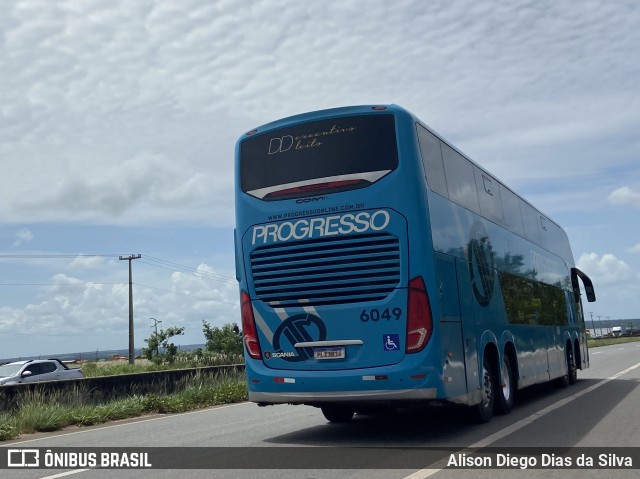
613	328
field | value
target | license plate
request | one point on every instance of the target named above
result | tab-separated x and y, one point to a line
329	353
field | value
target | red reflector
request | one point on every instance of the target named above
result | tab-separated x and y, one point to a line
249	326
379	108
418	376
278	380
419	321
255	380
382	377
249	133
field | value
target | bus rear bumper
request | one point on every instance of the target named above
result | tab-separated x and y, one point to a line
342	396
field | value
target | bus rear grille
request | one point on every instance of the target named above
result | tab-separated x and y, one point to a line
327	271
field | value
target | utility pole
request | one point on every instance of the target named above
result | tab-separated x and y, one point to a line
593	325
155	325
132	354
600	324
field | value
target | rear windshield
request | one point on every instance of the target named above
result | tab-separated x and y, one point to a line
317	157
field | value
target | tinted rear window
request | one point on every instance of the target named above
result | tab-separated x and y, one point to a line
340	147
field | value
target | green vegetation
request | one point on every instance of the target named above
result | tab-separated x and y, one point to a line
160	339
33	412
594	343
221	344
225	340
183	360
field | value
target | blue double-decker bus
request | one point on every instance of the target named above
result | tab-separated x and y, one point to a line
380	267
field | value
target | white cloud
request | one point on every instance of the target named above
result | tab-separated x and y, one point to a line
82	314
86	262
606	270
636	248
147	181
625	195
617	285
24	235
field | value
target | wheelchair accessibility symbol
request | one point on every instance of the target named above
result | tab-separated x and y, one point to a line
391	342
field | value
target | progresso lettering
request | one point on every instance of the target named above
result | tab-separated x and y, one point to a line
320	227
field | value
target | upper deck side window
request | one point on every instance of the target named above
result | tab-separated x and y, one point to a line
531	220
460	176
511	208
489	196
431	154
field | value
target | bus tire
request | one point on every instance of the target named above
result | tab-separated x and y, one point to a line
483	412
337	413
571	374
571	366
506	388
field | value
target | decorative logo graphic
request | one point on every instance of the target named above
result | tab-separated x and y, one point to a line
23	458
278	145
307	140
297	329
391	342
481	264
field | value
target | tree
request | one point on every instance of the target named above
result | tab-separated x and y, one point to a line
160	341
225	340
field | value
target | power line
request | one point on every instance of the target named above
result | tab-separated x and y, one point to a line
186	269
186	294
56	256
150	260
194	273
64	285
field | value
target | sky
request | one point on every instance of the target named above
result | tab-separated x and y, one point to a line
118	122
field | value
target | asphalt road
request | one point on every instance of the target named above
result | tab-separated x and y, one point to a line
600	411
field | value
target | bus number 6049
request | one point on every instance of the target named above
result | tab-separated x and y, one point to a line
377	315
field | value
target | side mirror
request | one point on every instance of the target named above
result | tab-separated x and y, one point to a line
26	374
587	283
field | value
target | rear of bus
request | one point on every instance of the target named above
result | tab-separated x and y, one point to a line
335	262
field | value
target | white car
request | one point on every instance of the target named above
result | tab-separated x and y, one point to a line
37	370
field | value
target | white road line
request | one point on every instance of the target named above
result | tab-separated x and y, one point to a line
424	473
63	474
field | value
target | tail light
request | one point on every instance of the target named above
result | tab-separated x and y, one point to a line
419	320
249	326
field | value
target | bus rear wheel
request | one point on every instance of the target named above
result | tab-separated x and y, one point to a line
571	366
337	413
571	372
483	412
506	391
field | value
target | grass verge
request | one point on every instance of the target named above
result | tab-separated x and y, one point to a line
594	343
37	412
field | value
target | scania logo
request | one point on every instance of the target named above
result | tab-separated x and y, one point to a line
297	329
481	264
282	354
